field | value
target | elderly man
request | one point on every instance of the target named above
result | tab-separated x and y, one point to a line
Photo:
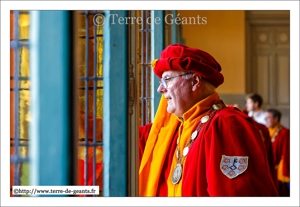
280	138
196	145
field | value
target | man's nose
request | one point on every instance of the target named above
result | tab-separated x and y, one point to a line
161	88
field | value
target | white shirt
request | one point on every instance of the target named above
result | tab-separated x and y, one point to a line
259	117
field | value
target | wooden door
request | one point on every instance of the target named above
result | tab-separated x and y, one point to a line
268	59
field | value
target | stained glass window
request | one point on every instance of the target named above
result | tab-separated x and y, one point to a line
19	98
90	101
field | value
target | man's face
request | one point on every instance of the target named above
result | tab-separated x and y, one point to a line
249	104
270	120
177	93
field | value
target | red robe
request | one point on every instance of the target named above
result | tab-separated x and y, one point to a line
281	152
267	143
229	132
268	146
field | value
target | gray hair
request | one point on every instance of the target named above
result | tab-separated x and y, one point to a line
189	75
208	85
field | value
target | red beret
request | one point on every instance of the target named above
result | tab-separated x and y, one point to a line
177	56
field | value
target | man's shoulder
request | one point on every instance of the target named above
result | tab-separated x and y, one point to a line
261	126
232	122
231	111
229	114
284	131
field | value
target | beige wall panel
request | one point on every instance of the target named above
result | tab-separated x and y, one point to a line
282	37
283	80
262	37
285	118
262	78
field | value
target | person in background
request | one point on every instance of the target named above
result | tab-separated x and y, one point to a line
280	138
253	106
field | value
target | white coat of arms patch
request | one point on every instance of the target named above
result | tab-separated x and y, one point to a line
233	166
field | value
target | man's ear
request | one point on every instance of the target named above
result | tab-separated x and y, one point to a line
256	104
197	80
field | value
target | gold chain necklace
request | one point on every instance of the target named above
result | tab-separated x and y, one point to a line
177	173
276	133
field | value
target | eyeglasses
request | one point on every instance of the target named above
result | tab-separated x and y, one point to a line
165	81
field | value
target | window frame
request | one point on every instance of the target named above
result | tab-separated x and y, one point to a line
115	92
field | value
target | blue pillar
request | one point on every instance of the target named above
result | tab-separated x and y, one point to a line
115	104
157	46
49	152
174	28
177	31
181	39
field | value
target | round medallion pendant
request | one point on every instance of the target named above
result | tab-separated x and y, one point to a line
217	106
176	176
204	119
185	151
194	135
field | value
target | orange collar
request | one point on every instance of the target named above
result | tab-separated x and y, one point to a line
200	107
273	130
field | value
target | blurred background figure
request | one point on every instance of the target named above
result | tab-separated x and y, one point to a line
280	138
253	106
